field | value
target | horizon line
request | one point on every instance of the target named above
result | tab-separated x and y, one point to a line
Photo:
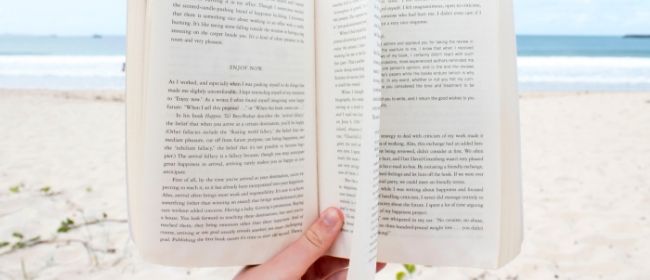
123	35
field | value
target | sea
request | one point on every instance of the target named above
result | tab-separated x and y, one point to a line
545	63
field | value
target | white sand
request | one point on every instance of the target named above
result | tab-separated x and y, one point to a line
586	162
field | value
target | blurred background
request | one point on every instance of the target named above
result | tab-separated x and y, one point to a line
584	80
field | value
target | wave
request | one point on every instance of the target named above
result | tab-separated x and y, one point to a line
584	73
62	72
61	66
583	61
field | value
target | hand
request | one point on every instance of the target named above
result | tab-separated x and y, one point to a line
304	259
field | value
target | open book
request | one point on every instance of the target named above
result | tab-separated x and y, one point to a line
247	118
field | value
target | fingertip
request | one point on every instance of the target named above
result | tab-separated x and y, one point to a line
332	217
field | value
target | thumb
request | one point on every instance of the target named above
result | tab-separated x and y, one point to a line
301	254
293	261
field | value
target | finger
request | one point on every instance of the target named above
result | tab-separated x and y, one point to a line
294	260
301	254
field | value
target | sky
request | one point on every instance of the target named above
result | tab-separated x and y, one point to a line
588	17
108	17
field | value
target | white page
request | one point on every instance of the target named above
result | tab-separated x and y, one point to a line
348	76
511	187
229	141
440	152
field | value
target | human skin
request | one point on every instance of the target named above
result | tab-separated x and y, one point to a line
305	258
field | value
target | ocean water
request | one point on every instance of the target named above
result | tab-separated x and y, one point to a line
546	63
50	62
583	63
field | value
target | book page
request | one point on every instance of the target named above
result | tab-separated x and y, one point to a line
348	86
229	142
441	134
511	184
134	86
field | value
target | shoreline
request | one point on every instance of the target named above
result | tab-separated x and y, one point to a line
94	94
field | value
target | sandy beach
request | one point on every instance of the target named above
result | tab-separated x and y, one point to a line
586	181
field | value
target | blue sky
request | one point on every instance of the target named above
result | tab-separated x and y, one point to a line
63	17
611	17
83	17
